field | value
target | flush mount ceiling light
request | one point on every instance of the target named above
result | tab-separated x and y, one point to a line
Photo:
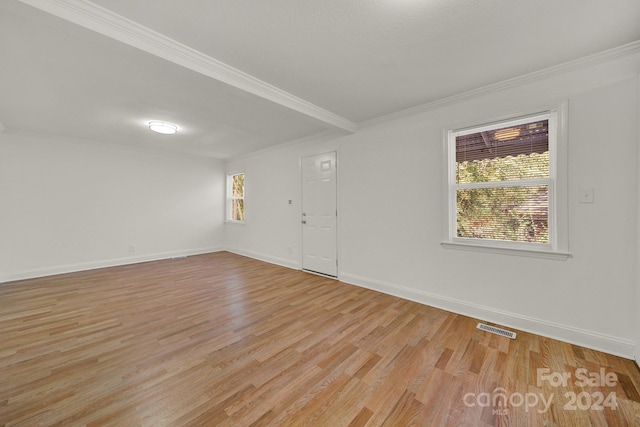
163	127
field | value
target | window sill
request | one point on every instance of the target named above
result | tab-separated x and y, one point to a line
560	256
234	222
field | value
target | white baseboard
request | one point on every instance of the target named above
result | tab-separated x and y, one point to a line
589	339
70	268
283	262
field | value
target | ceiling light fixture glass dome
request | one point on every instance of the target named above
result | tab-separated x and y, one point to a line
164	128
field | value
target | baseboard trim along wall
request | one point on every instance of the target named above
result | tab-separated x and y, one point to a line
283	262
589	339
70	268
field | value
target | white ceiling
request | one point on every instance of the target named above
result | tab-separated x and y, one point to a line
239	76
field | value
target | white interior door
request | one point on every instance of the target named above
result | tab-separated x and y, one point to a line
319	214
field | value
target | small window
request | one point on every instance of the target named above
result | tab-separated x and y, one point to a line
235	197
502	183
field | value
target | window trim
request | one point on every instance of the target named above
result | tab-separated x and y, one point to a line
557	248
230	198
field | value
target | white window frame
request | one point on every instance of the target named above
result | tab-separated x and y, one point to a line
230	197
557	247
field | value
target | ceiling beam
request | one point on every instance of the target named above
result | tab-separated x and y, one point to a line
117	27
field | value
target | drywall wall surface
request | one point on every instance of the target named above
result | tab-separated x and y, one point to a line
72	205
394	217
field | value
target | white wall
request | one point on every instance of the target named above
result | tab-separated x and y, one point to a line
588	299
72	205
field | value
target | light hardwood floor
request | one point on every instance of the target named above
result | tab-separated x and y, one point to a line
220	339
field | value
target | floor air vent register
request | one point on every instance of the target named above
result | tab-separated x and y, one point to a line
497	331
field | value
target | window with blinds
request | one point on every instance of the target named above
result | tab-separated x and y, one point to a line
501	182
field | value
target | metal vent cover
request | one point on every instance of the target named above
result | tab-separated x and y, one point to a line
497	331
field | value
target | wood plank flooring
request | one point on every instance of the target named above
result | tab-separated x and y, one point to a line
223	340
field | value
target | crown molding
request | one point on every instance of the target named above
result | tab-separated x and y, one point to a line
112	25
587	61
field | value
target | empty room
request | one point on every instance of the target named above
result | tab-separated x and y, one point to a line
321	213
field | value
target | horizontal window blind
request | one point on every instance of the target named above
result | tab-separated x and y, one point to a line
518	214
515	140
502	182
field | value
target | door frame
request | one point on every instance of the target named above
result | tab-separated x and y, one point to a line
338	228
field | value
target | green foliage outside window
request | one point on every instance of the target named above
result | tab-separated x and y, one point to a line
237	197
515	213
